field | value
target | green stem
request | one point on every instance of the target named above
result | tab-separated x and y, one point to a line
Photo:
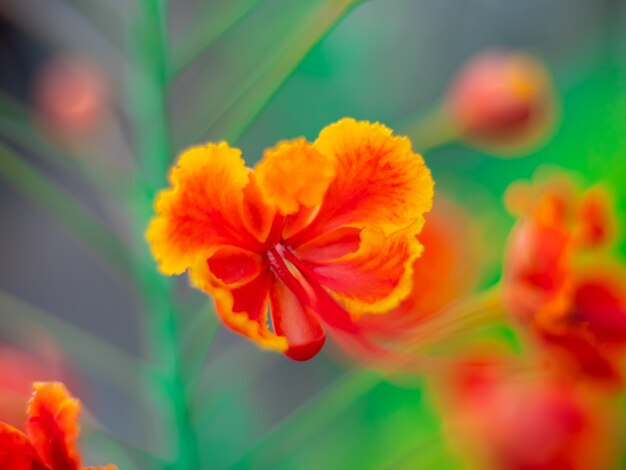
148	94
195	344
90	229
282	440
431	130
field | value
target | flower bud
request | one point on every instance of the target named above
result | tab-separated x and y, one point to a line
70	95
502	102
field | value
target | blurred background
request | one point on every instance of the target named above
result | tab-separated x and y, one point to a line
97	95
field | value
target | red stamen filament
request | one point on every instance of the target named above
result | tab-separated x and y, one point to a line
307	288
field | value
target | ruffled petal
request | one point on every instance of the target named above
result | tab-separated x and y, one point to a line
52	425
575	352
294	174
600	305
377	276
243	308
202	210
379	180
296	322
16	453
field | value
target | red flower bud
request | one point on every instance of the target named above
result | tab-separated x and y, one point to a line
502	101
70	95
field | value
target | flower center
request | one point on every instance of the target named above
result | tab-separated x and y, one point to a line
302	281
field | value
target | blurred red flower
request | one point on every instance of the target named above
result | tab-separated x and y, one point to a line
517	423
575	308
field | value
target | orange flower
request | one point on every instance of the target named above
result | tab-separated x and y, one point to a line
446	270
317	234
502	101
51	433
577	310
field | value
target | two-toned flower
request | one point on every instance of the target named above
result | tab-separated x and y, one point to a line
315	236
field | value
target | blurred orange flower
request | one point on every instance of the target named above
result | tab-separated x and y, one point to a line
502	101
51	433
576	309
508	423
317	233
447	270
70	95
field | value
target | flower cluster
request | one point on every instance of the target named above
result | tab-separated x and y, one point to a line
558	285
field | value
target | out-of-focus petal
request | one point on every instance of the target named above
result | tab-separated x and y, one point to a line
202	210
572	353
596	218
447	269
512	424
52	425
377	276
536	266
379	180
600	304
295	174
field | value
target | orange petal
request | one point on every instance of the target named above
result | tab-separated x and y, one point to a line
296	322
244	308
16	453
202	210
600	306
380	181
257	214
233	265
377	276
447	269
294	174
52	425
105	467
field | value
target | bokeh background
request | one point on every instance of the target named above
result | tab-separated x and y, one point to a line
277	66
